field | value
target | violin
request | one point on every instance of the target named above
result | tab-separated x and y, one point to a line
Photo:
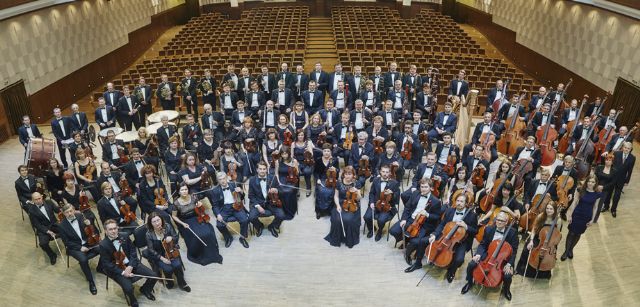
288	138
539	202
232	172
249	145
122	155
292	175
377	146
520	169
348	140
152	148
384	202
450	167
322	138
414	229
423	137
128	215
406	151
118	259
477	176
83	200
332	178
487	140
93	236
275	155
170	249
543	256
308	158
238	201
88	172
159	200
393	170
489	272
274	198
441	251
201	215
604	137
125	189
350	203
512	137
363	168
435	189
565	141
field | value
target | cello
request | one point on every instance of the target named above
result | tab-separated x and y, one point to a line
545	137
489	272
543	256
493	216
512	137
441	251
586	148
539	202
487	200
520	169
565	141
604	137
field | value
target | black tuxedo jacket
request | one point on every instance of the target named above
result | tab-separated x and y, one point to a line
503	114
469	165
57	131
272	84
304	83
437	171
375	192
147	94
331	78
217	198
123	106
464	89
530	191
40	222
189	90
624	168
389	81
477	132
511	239
24	135
377	102
316	103
491	96
111	114
24	192
261	99
322	80
80	121
69	236
471	219
106	255
434	207
287	76
234	99
255	191
107	155
207	120
111	100
288	98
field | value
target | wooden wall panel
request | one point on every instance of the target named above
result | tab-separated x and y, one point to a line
627	94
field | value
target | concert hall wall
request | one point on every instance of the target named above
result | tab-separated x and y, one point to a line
63	52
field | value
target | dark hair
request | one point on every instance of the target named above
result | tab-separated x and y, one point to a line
151	216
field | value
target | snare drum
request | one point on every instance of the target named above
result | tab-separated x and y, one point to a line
39	152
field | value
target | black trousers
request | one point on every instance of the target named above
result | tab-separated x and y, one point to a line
269	210
192	106
617	192
506	278
63	153
168	104
459	251
43	241
381	217
234	216
83	260
127	283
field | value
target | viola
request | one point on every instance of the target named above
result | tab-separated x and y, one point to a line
350	203
604	137
539	202
450	167
288	137
491	219
384	202
232	172
423	137
275	155
520	169
393	170
543	256
201	214
125	189
377	146
118	259
489	271
406	151
308	158
487	140
332	178
249	145
122	155
128	215
93	236
363	168
322	138
88	172
159	200
348	140
152	148
436	187
414	229
274	198
238	201
292	175
440	252
170	249
565	141
83	200
89	152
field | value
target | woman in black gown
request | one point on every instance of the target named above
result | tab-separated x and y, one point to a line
545	218
606	174
201	252
71	195
87	180
324	194
53	179
159	231
172	160
345	226
191	173
300	147
147	193
581	213
288	184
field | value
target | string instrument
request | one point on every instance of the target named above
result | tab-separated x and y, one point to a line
561	104
491	218
406	151
363	168
308	158
83	200
159	200
487	140
450	167
350	203
543	256
348	140
497	103
377	146
88	172
414	229
423	137
125	189
631	133
152	148
322	138
520	169
275	155
170	249
128	215
384	201
292	175
599	108
539	202
477	176
232	172
238	201
565	141
287	137
89	152
512	137
440	252
332	178
533	113
586	147
122	156
564	184
393	170
249	145
201	215
489	272
604	137
545	137
487	200
93	236
118	259
274	198
435	189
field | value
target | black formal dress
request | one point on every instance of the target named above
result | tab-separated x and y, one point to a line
196	251
350	234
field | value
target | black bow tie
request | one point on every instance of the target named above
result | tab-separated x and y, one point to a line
459	213
281	91
446	146
116	239
139	162
543	183
108	176
528	149
500	232
225	189
263	179
429	166
476	159
72	220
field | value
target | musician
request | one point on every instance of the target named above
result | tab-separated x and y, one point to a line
191	133
392	158
378	82
320	77
541	118
25	186
111	148
312	98
617	140
412	80
409	138
580	133
426	102
360	117
499	92
86	172
531	153
188	92
300	146
104	115
463	217
567	169
79	119
114	243
345	225
250	139
173	157
341	97
288	183
459	86
581	213
231	78
334	78
511	108
398	96
27	131
244	83
159	233
62	127
110	208
149	196
283	97
445	122
569	115
111	95
165	133
377	130
418	125
209	150
260	205
71	230
391	76
457	182
491	234
107	176
228	100
191	173
356	82
539	187
269	146
625	161
143	93
222	199
370	97
269	115
228	157
429	170
595	108
606	173
299	118
301	82
113	179
316	130
340	133
42	214
421	202
390	117
255	100
446	149
362	150
207	86
148	146
53	180
537	100
381	185
504	201
330	116
544	219
267	81
477	161
133	168
166	90
212	120
127	110
557	96
284	127
286	76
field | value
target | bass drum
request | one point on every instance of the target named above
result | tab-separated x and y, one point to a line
39	153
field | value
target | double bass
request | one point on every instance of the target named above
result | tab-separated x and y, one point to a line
512	137
586	148
489	272
565	141
543	256
441	252
487	200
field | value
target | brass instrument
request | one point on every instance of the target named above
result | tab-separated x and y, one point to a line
206	85
138	93
165	92
472	100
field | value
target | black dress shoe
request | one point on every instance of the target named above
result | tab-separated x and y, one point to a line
92	288
605	209
308	194
466	288
259	231
507	294
134	304
564	256
563	216
378	236
413	267
369	234
570	254
407	256
318	215
53	260
244	243
186	288
228	241
273	232
613	213
170	284
148	294
450	277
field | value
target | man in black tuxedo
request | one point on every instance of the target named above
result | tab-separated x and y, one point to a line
27	131
107	176
228	100
459	86
62	128
286	76
71	230
79	119
609	121
110	150
214	121
259	204
361	149
255	100
341	97
320	77
164	133
283	97
486	126
25	186
165	93
509	109
127	110
541	118
231	78
336	76
624	160
105	115
428	170
496	93
378	82
497	232
132	169
269	117
539	187
340	132
413	81
476	161
222	200
191	133
116	242
426	102
595	108
380	185
42	214
391	76
537	100
356	81
398	96
267	81
244	83
531	153
109	208
556	96
401	139
312	98
188	92
370	97
143	93
111	96
300	82
617	141
569	115
207	86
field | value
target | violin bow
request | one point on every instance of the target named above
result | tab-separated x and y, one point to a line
59	250
342	223
429	263
198	237
233	230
